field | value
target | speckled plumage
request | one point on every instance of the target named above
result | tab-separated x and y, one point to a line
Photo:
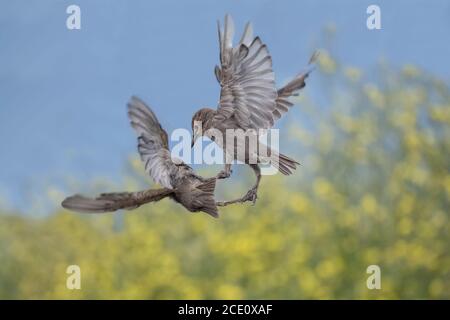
179	180
249	100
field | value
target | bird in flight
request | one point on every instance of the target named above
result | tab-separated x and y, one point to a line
249	100
178	180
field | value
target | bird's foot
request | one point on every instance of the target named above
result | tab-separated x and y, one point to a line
251	195
224	174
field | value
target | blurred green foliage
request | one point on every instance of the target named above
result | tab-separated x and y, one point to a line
373	188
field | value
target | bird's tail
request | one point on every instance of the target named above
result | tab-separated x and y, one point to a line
109	202
286	165
292	89
283	163
205	198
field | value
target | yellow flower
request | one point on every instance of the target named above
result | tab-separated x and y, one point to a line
436	288
369	204
308	282
328	268
352	73
229	292
326	63
300	203
405	226
322	187
440	113
410	71
375	96
446	184
406	204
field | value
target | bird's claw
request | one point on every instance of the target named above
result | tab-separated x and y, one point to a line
224	174
251	195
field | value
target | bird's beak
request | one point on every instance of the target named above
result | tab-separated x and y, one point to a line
194	137
196	132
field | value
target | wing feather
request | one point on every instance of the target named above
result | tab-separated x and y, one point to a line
247	80
153	144
110	202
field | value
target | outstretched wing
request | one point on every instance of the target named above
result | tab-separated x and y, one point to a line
291	89
110	202
248	83
153	144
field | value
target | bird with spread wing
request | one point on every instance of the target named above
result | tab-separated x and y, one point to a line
249	101
178	180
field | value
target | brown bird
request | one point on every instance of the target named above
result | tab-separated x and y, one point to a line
178	179
249	100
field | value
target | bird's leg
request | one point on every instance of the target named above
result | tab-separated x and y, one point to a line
226	172
251	194
226	203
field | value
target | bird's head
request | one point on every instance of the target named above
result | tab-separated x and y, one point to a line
199	123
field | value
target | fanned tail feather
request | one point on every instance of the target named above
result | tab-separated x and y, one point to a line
205	199
283	163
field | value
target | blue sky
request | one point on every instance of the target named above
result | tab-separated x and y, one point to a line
63	92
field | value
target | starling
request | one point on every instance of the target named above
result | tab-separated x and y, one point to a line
249	100
178	180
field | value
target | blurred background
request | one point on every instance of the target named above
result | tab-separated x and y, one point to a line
371	130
